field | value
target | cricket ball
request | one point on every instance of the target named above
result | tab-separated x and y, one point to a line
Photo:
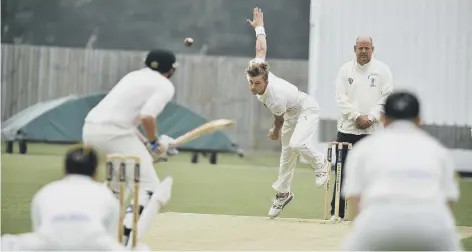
188	42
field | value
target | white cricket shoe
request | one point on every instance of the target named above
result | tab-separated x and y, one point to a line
321	174
335	219
279	203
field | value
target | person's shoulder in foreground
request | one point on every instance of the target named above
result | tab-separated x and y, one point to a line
402	120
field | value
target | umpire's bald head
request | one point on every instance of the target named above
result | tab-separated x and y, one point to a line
81	160
402	105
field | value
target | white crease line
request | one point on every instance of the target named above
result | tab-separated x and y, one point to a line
242	167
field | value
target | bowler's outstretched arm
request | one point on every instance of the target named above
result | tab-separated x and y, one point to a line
258	24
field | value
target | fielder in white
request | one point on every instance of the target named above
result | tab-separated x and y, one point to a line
137	99
74	213
401	183
296	118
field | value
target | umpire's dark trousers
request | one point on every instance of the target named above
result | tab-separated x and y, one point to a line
348	138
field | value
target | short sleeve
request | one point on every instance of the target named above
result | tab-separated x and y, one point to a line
354	183
279	109
157	102
449	182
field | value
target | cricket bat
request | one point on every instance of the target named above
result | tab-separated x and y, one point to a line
204	129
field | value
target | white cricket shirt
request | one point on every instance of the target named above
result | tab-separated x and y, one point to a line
282	97
399	163
141	92
362	90
74	210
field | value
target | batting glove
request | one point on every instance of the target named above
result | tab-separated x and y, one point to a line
171	151
157	146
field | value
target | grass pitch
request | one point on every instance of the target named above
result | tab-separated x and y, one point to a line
232	187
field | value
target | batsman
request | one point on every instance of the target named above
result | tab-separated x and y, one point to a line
111	126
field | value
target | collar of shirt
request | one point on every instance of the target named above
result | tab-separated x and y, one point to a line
77	177
402	125
365	66
146	69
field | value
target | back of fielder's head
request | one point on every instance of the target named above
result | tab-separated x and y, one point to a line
402	105
81	160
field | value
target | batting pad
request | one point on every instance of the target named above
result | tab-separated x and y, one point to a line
160	197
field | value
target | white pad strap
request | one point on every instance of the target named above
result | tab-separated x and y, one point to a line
260	31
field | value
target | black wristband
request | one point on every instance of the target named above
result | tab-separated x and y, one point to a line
153	141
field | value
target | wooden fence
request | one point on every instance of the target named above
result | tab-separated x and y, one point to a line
215	87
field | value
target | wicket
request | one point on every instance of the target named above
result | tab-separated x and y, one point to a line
339	170
110	172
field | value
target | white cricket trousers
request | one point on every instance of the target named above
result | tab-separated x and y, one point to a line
404	226
109	139
298	138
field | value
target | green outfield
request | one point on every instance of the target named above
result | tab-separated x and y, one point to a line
234	186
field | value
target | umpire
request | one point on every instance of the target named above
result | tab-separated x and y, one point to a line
362	86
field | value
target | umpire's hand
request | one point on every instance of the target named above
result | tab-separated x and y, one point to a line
363	122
